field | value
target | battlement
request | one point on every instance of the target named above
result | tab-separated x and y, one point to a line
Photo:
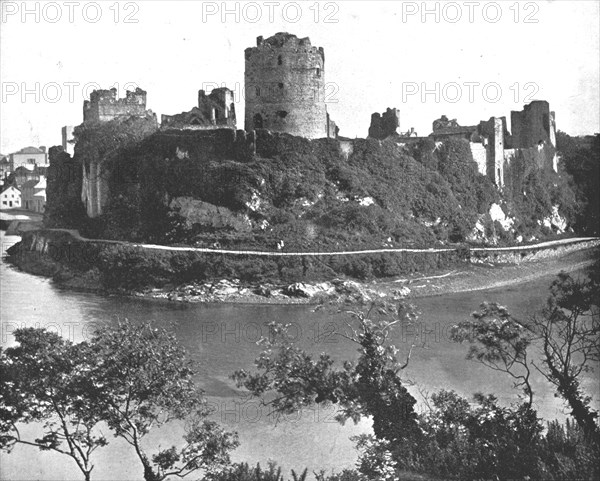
104	105
286	42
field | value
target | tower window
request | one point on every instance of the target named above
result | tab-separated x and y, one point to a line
257	89
279	60
318	72
280	85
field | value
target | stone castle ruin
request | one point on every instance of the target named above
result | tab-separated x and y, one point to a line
285	94
533	137
104	105
214	111
285	87
385	124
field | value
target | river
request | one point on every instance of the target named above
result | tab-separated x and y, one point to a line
222	338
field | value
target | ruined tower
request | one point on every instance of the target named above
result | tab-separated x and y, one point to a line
385	124
285	87
214	111
533	125
104	105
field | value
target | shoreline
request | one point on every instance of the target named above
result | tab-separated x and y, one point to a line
468	278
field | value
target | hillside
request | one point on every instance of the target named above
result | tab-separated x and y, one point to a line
184	188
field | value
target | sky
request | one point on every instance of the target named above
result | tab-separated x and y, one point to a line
466	60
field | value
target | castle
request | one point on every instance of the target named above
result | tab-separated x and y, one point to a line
285	93
493	147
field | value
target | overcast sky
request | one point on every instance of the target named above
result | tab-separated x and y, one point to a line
472	60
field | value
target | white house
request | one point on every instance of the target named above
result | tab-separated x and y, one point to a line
10	198
30	157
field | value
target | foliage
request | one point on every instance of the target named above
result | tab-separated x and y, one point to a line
368	387
499	342
44	380
567	332
134	378
453	438
243	472
464	441
144	381
579	156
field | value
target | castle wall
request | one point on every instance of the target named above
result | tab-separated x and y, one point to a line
104	105
285	87
479	156
497	153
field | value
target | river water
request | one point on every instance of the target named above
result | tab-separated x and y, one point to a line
222	338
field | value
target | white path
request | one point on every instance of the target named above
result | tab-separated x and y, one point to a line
594	240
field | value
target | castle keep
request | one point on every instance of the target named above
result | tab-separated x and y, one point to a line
285	87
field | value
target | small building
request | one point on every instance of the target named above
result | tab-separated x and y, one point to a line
10	198
30	158
23	174
33	195
5	166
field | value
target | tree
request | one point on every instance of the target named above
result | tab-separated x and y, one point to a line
567	333
132	377
371	386
143	381
499	342
43	380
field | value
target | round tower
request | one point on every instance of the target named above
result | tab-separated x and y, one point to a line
285	86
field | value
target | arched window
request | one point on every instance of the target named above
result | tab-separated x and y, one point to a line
279	60
257	90
258	121
318	72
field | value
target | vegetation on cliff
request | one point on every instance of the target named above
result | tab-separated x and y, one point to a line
276	191
304	193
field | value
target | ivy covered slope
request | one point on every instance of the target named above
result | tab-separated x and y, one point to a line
186	187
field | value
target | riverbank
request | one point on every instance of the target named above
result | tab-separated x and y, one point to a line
469	279
463	278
